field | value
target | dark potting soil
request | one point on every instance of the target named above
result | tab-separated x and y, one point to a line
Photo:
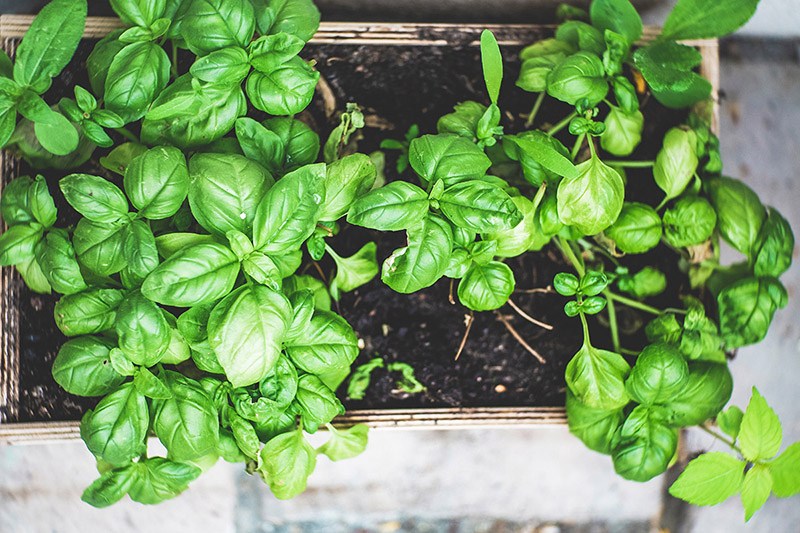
398	86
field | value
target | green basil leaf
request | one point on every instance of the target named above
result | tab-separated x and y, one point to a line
761	434
15	202
57	258
543	151
596	428
286	90
99	61
424	260
740	213
110	487
784	471
730	421
196	275
647	282
345	443
246	330
286	462
462	122
300	143
315	402
187	423
280	384
227	66
690	221
646	445
158	479
150	385
659	373
593	200
580	35
668	68
143	331
139	12
140	252
210	25
157	182
699	19
597	378
704	395
637	229
479	206
446	157
328	343
580	76
288	213
519	239
486	287
92	311
49	43
260	144
775	245
296	17
746	308
619	16
18	244
83	367
623	131
346	179
138	73
676	162
322	299
709	479
225	191
171	243
393	207
271	51
116	430
354	271
245	435
756	489
95	198
189	117
492	62
56	134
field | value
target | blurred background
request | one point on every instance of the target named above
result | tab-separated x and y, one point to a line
486	480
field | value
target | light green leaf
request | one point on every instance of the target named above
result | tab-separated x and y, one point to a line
709	479
761	433
345	443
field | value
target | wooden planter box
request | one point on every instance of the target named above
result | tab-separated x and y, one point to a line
12	28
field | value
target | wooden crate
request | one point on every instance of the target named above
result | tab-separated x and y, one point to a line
13	27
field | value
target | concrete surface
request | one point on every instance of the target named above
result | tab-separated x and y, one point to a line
481	480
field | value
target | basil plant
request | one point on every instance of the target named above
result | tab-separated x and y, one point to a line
187	313
481	194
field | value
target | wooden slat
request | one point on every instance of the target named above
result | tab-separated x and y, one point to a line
13	27
500	417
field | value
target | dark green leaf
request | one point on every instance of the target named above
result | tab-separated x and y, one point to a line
83	367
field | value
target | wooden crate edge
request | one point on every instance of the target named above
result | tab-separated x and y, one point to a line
483	417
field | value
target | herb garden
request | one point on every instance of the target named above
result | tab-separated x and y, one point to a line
234	256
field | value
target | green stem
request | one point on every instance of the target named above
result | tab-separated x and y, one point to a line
630	164
585	325
576	148
332	252
612	322
720	438
663	203
125	132
174	66
634	303
535	110
591	147
539	196
561	125
569	253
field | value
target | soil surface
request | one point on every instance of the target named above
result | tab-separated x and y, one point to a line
398	86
